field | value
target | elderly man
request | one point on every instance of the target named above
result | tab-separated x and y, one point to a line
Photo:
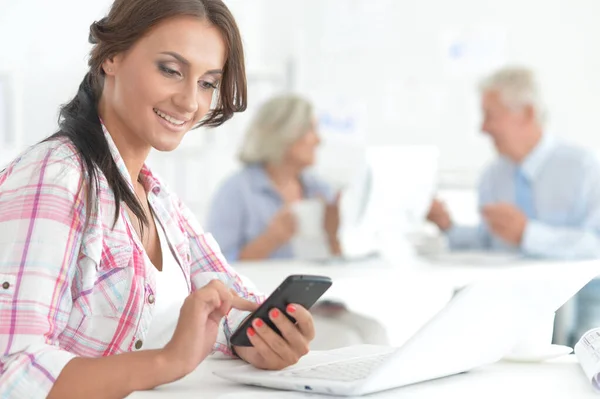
540	197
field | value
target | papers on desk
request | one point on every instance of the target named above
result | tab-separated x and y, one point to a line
310	240
466	258
587	351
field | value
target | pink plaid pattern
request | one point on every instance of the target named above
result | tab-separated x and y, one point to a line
71	284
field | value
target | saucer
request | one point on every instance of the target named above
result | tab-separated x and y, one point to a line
539	354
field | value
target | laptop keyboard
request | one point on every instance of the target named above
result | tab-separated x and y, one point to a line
346	370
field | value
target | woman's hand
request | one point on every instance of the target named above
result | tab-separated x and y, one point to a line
273	352
331	224
282	227
280	230
332	216
198	324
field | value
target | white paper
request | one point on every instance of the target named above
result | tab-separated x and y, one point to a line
474	51
340	117
476	258
587	351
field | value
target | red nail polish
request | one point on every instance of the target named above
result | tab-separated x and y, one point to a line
274	313
251	332
258	323
291	308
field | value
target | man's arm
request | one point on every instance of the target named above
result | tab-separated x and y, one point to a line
473	237
468	237
573	242
548	241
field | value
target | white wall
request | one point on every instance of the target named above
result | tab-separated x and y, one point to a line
389	55
386	58
44	44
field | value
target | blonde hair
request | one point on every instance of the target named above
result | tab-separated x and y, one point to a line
278	123
518	88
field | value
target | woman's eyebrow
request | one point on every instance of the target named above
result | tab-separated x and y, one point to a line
185	62
177	56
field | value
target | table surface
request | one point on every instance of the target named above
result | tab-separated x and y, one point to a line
561	378
413	290
428	283
444	269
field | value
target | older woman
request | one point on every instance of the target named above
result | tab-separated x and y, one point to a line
251	219
251	216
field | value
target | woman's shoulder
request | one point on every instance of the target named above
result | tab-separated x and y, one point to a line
233	190
51	151
243	177
49	160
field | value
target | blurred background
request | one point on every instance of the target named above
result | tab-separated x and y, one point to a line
379	72
399	74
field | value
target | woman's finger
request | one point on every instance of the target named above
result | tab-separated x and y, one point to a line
304	320
240	303
272	359
279	345
208	297
225	296
290	332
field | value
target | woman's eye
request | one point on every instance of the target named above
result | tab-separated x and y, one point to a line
168	71
207	85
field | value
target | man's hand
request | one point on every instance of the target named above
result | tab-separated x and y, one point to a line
439	215
505	221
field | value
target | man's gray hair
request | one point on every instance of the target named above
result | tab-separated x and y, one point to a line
518	88
278	123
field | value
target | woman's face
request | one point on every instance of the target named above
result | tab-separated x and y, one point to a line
302	152
163	85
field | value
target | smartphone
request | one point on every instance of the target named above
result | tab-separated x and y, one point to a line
303	290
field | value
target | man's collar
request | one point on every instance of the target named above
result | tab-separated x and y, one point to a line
536	159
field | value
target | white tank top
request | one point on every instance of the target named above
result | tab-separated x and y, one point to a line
171	291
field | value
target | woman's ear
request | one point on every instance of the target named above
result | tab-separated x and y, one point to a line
110	65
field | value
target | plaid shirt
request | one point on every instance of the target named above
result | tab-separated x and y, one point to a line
71	284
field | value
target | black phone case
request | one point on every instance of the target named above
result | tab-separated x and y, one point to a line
304	290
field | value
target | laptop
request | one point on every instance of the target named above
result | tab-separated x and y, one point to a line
480	325
374	218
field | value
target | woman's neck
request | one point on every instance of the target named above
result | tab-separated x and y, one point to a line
133	151
286	180
283	173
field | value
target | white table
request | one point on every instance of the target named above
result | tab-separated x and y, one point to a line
268	274
412	290
560	379
367	287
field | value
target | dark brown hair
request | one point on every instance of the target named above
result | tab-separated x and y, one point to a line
125	24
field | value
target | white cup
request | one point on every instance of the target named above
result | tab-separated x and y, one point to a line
536	338
309	215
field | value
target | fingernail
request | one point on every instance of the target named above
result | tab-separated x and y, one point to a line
258	323
251	332
274	313
291	308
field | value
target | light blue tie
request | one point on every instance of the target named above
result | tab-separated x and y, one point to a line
524	194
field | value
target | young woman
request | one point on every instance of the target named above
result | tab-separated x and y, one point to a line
95	253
